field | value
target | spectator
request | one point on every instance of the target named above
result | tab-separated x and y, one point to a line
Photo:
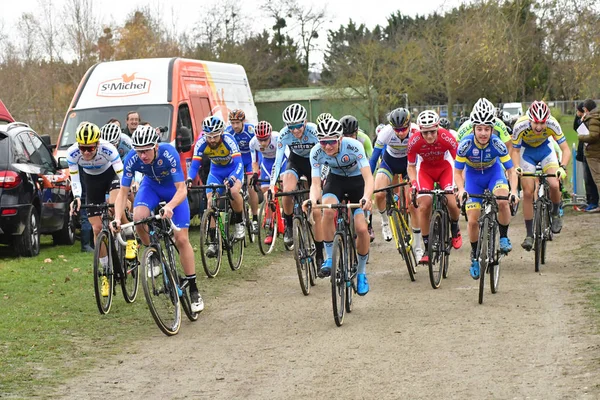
591	119
591	191
114	121
132	122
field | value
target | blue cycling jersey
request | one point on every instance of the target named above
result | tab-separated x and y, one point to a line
124	147
481	157
301	146
348	161
165	170
226	154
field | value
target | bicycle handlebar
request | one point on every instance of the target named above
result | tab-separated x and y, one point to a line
538	175
405	183
339	206
103	205
143	221
204	187
292	193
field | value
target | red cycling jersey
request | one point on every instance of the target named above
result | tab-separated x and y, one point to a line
434	166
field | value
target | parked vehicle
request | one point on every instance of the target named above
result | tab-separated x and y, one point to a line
514	109
166	92
35	192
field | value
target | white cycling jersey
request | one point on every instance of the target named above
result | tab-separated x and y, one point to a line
107	156
394	146
268	152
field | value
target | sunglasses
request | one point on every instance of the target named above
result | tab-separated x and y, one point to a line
143	151
295	126
87	149
213	137
398	130
330	142
428	132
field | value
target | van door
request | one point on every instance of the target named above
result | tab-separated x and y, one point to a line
200	110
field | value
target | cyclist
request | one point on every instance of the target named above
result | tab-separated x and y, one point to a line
164	181
445	123
349	173
265	143
437	149
101	170
226	168
499	127
323	117
480	154
394	137
243	133
112	133
531	145
300	136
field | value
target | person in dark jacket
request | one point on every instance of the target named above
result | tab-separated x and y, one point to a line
591	119
591	191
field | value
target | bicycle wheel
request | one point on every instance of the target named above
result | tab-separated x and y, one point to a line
447	250
300	245
103	273
235	248
483	254
161	293
338	283
537	244
352	269
130	275
400	234
436	249
248	222
495	253
267	225
184	294
311	250
211	264
546	234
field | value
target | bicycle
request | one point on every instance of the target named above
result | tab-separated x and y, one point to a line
398	216
250	234
542	217
118	268
270	223
344	261
163	279
304	242
217	228
488	243
440	239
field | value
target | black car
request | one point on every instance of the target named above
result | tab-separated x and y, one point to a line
35	192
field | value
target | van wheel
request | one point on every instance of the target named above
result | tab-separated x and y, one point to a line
28	243
66	235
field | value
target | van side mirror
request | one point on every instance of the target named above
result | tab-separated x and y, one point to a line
62	163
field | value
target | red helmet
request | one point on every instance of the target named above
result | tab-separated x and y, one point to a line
538	112
237	115
263	130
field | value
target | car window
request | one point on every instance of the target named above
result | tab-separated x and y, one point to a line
30	151
42	150
18	154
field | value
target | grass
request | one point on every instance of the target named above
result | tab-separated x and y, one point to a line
50	328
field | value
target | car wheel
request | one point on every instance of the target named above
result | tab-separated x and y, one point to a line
67	234
28	243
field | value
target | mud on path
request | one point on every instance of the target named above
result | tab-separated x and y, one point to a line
264	339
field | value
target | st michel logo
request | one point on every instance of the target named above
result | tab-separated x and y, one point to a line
126	85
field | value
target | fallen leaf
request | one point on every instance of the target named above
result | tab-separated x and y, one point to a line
48	260
75	269
61	256
67	279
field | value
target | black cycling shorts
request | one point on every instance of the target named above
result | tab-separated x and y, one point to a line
340	186
98	186
299	165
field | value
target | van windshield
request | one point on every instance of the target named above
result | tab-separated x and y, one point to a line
156	115
512	111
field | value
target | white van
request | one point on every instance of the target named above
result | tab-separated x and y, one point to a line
514	109
166	92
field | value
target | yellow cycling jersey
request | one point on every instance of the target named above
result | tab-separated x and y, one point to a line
524	135
499	129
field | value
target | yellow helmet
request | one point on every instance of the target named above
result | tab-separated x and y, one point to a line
87	133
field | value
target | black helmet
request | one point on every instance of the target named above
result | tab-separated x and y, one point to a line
399	118
463	120
444	123
350	124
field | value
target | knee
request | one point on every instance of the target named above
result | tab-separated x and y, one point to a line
328	215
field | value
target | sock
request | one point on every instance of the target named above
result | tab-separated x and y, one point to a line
255	218
529	227
473	250
328	248
555	209
192	282
104	261
212	232
425	242
384	218
288	220
454	228
418	239
237	217
362	263
319	248
503	230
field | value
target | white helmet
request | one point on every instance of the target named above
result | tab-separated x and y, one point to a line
212	125
484	113
330	128
111	133
294	114
428	119
144	136
323	116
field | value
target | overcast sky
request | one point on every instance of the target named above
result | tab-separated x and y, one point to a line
188	13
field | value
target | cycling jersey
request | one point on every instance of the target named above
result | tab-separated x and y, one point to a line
365	140
165	170
299	147
269	151
524	135
499	129
392	147
226	154
434	165
125	146
243	141
347	162
481	157
107	156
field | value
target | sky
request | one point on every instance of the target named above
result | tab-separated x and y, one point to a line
185	14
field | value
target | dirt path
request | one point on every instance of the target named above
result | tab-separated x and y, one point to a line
264	339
